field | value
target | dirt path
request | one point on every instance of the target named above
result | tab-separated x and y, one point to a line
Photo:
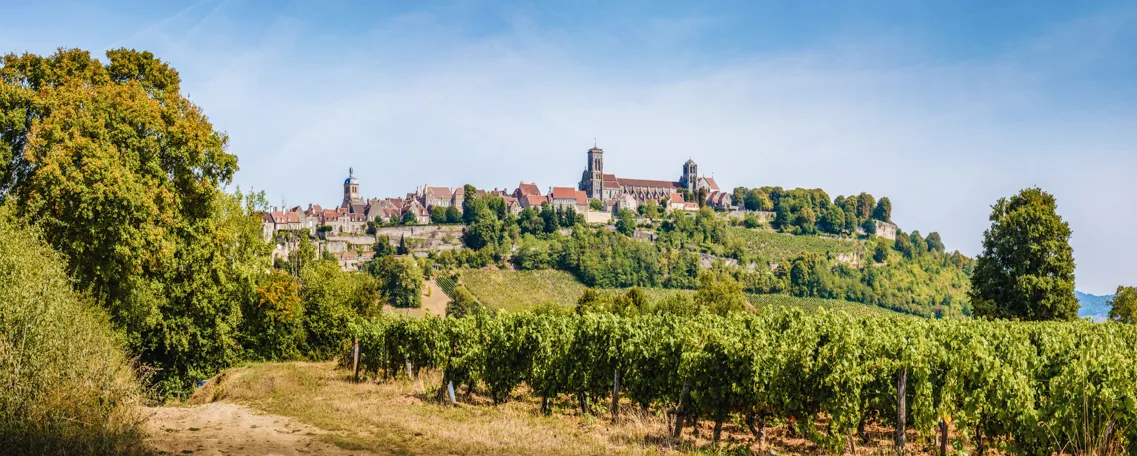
230	429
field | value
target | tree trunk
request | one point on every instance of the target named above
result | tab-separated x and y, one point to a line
545	404
680	411
901	407
615	409
850	444
583	401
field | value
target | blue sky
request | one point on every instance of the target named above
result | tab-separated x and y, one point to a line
941	106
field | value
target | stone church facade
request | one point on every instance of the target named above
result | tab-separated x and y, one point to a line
610	189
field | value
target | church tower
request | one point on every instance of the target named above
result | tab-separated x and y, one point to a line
690	178
593	180
350	189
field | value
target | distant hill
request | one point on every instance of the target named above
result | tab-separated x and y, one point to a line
1093	306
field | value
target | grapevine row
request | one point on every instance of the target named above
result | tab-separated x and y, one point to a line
1027	388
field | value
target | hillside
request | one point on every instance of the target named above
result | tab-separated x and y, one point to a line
522	290
1096	307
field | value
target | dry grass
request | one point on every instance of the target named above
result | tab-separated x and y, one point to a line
399	418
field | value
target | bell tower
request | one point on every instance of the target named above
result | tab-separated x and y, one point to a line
350	189
593	181
690	178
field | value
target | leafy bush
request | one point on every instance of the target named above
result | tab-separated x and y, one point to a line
69	387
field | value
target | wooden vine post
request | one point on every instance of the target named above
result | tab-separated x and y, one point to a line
615	408
901	412
355	358
943	437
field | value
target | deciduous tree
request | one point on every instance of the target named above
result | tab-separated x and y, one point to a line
1123	305
1026	269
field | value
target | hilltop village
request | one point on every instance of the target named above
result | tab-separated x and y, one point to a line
426	218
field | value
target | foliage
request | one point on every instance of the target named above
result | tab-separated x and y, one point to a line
1025	388
437	214
1123	305
595	205
719	293
626	223
274	325
399	280
125	177
1026	269
69	386
333	298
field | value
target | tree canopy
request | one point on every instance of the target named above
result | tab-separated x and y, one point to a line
1123	305
1026	269
125	176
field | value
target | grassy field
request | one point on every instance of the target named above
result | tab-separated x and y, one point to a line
318	401
779	248
520	290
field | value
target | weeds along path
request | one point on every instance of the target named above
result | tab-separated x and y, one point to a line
223	428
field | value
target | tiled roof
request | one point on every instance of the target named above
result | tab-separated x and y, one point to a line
675	198
535	200
528	189
441	192
564	193
581	198
647	183
711	183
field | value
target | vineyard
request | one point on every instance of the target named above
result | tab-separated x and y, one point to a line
778	248
522	290
810	305
1023	388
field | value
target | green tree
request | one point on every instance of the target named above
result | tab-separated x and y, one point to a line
437	214
383	246
399	280
750	220
651	209
935	244
1123	305
274	324
332	299
126	177
549	216
409	218
883	211
596	205
453	215
626	223
484	231
881	251
1026	269
869	226
720	293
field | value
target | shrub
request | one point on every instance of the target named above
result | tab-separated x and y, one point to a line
69	387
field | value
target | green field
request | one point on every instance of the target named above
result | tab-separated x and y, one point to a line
520	290
778	248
